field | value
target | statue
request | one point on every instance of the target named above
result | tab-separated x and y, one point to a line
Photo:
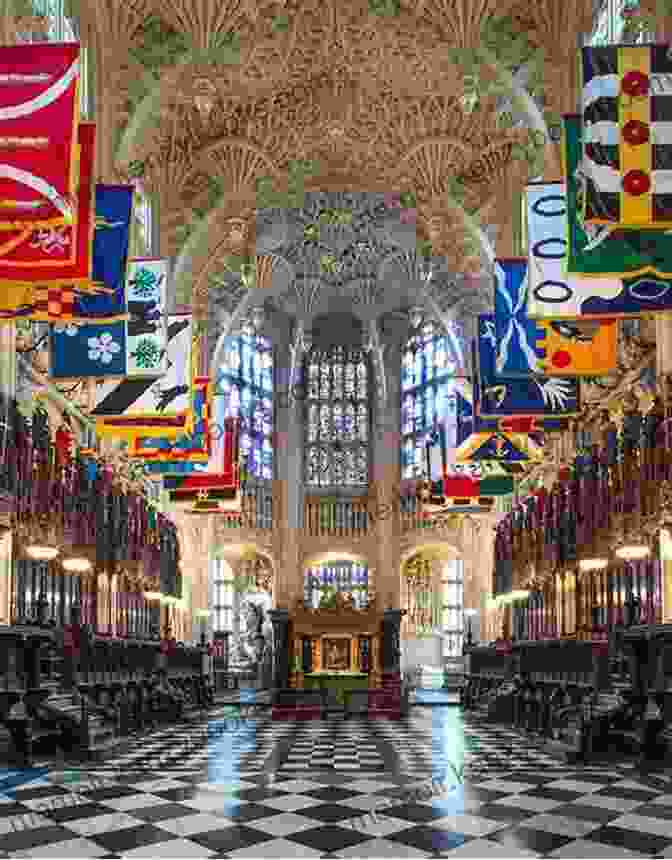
265	667
251	641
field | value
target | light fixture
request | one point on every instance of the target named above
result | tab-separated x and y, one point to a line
588	564
42	552
633	552
76	565
152	595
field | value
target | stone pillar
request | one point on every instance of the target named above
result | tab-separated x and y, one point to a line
7	502
196	535
562	27
280	620
385	485
666	574
288	490
664	369
508	196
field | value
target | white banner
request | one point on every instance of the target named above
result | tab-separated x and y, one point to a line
146	328
552	293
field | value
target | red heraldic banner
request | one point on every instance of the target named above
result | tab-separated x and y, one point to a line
39	117
56	256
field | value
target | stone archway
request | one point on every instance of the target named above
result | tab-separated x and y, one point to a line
240	600
432	594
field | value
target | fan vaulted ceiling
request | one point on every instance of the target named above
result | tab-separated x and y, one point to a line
346	251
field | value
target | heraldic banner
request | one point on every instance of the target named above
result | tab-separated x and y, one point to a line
601	252
505	396
98	349
549	347
53	260
552	292
627	156
39	117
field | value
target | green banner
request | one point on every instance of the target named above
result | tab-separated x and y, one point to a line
607	252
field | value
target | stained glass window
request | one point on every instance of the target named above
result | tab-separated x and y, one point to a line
222	596
343	576
337	418
428	364
453	607
246	388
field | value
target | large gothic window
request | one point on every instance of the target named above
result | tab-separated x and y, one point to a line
337	419
246	383
427	366
222	596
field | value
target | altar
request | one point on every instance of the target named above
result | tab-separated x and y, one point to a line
337	648
340	684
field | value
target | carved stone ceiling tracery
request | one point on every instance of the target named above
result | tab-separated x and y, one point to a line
347	251
372	100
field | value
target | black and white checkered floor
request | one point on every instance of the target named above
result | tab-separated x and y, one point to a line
199	790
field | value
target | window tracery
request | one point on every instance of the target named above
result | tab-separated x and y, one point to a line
337	418
452	582
246	386
427	366
337	576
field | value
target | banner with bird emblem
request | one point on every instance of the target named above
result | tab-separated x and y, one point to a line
626	167
98	348
140	406
527	346
192	443
169	395
39	119
500	397
642	258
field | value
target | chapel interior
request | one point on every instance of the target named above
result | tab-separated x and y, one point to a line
335	447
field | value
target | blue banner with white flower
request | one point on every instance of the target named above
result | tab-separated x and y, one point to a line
503	396
94	350
99	350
